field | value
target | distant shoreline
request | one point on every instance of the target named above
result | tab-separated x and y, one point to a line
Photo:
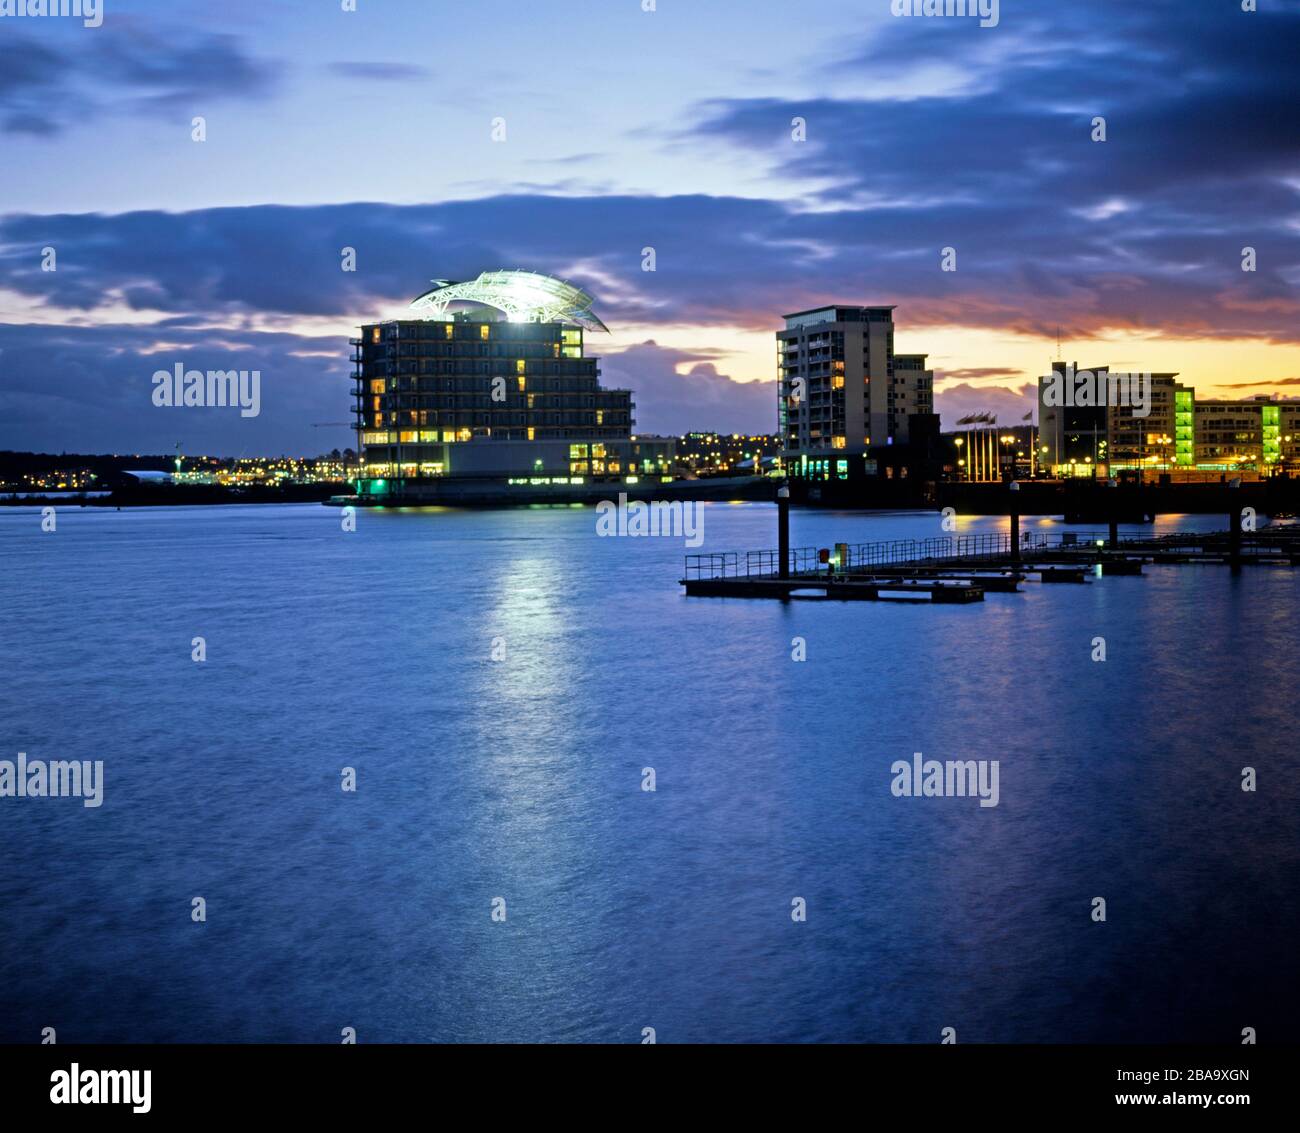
173	495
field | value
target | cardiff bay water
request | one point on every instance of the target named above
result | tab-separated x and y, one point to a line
503	684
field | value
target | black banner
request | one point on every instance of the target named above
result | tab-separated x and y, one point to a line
337	1082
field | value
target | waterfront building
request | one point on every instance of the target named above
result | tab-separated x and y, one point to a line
1262	429
842	390
1179	434
489	380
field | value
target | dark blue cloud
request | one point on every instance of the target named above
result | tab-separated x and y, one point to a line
83	389
1027	264
45	89
380	72
1201	159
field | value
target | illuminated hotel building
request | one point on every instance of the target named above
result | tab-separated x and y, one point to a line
488	380
841	387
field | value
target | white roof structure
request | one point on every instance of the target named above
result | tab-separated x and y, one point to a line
522	296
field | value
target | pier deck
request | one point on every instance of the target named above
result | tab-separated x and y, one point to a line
962	568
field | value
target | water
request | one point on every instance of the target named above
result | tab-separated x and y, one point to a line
521	779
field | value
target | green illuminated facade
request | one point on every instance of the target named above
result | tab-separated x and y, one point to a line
1184	428
1272	433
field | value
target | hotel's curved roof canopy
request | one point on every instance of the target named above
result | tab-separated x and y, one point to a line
522	296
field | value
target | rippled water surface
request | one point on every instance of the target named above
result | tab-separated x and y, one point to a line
522	779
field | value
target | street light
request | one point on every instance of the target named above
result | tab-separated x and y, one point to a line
1006	442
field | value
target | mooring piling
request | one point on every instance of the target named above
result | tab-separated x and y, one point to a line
1015	521
783	530
1234	526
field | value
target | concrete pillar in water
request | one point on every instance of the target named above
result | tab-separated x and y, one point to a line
1234	525
783	530
1015	521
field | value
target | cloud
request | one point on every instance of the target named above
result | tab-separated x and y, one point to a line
44	91
380	72
669	402
976	373
89	389
26	65
1136	232
1009	406
720	262
181	69
1252	385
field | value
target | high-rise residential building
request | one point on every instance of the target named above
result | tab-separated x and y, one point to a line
489	380
841	388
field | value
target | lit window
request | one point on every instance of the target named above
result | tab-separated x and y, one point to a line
483	332
532	433
519	366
